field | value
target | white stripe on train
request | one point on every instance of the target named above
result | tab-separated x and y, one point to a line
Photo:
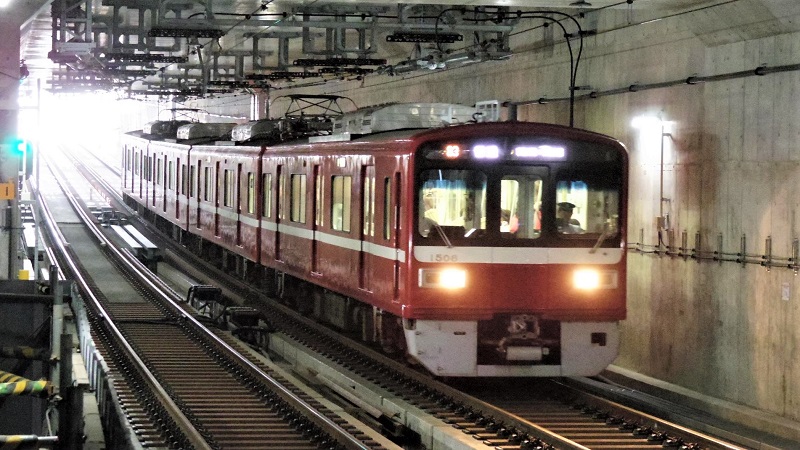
460	255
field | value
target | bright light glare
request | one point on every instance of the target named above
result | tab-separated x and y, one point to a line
452	278
93	120
486	151
540	151
586	279
650	123
4	3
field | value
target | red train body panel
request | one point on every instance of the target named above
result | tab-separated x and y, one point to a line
490	249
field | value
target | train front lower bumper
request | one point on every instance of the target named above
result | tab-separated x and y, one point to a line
451	349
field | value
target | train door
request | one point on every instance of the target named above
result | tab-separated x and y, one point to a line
217	196
279	210
391	212
367	226
200	192
165	178
154	168
147	176
185	189
178	186
316	221
136	173
238	199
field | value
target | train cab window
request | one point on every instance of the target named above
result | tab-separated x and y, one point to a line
298	198
520	206
453	203
587	206
340	202
266	195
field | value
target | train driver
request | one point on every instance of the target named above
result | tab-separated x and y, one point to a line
566	224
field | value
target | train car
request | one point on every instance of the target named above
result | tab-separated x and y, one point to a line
477	250
137	162
134	155
223	199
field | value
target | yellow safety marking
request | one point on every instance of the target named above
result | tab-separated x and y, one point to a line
6	377
8	191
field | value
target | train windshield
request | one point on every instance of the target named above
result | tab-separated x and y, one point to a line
523	203
452	203
585	205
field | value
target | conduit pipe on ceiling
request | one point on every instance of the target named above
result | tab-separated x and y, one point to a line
692	80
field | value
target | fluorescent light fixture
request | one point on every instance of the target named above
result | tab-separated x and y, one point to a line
646	122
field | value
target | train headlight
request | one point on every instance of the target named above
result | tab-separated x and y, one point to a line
586	279
591	279
443	278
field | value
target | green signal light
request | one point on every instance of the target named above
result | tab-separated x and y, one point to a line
19	146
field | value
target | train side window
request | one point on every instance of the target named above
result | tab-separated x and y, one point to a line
207	184
184	179
215	196
387	208
192	176
251	193
266	195
340	202
369	203
298	198
318	197
226	194
281	194
171	176
159	172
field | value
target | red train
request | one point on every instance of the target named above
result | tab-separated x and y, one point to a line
478	249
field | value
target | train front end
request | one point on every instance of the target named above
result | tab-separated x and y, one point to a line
518	262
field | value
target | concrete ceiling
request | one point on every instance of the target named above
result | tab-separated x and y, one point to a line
333	31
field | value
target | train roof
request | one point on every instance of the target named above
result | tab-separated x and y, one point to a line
383	124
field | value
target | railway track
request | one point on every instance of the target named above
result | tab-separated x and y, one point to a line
530	414
181	385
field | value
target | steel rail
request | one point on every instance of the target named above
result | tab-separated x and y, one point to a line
158	285
68	257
